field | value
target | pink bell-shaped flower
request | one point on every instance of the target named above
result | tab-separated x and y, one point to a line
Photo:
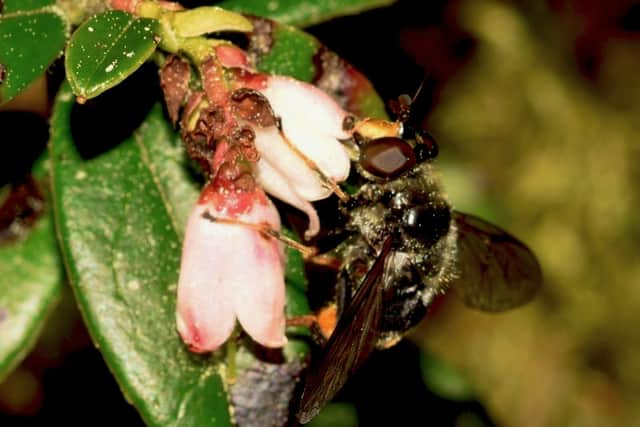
311	132
313	122
231	271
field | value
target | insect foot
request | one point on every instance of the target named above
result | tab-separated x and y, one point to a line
231	271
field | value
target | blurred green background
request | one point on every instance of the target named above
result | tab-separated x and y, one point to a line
539	132
536	107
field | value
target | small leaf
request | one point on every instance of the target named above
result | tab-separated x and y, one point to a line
29	43
30	285
107	49
208	19
302	13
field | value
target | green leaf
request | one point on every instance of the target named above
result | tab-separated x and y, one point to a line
121	242
11	6
29	43
32	278
296	298
107	49
291	54
169	165
302	13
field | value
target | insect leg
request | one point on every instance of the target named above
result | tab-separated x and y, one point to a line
265	229
328	182
314	324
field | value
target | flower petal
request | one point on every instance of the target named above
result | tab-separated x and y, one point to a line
303	102
205	315
259	300
312	120
326	151
276	184
300	178
231	270
259	304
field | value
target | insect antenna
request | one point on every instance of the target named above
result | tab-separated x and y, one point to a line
403	107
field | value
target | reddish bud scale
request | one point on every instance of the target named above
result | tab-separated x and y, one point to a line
170	6
248	79
214	82
131	6
174	80
232	56
125	5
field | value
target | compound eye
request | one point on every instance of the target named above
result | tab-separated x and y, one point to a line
387	157
427	223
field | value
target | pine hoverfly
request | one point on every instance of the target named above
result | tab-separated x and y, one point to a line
407	245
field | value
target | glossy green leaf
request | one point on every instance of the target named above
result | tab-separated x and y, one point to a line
165	157
291	54
107	49
29	43
11	6
296	299
302	13
32	277
121	242
30	285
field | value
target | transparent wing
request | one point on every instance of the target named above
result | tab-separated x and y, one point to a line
351	343
496	271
